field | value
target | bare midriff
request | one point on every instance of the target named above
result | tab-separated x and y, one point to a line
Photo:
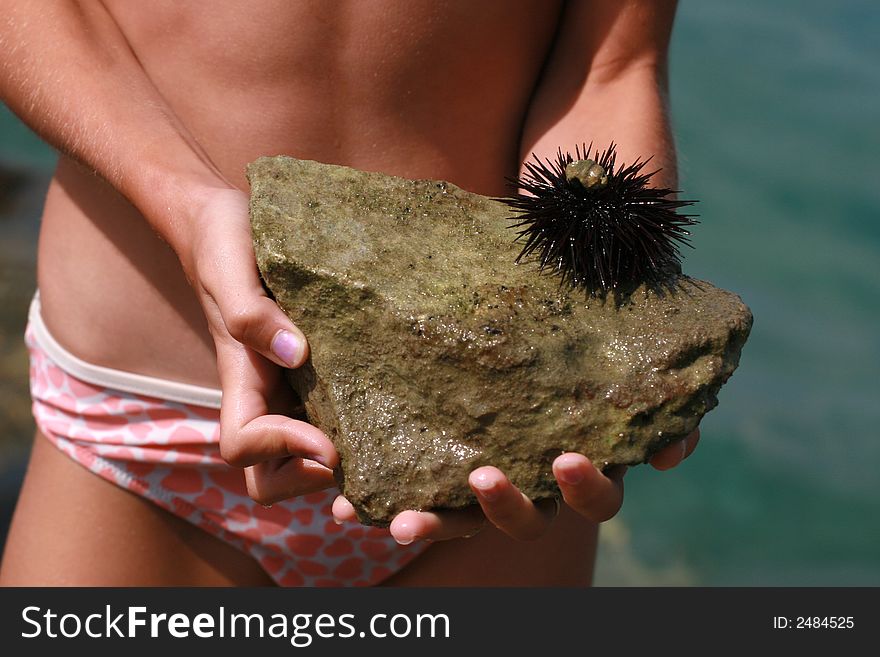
416	89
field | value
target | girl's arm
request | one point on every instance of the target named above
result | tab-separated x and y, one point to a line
68	72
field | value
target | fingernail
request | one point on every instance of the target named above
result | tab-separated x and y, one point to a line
288	347
571	476
401	531
320	459
684	449
337	520
486	488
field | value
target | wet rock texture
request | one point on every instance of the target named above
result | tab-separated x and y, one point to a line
432	353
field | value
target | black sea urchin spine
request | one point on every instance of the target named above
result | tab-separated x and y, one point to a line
598	227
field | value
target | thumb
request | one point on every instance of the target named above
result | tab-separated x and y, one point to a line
240	305
224	267
257	322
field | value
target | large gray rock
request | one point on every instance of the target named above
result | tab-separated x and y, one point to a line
432	353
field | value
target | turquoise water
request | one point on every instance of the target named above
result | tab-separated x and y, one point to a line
776	108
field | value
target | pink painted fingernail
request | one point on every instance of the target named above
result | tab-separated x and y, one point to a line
288	347
402	533
571	476
320	459
485	487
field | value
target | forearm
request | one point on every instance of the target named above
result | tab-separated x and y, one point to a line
630	111
605	81
69	73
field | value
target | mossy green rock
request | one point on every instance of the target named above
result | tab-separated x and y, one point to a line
433	353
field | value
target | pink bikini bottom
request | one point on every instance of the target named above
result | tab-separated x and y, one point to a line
159	439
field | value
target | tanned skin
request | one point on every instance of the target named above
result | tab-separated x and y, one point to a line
145	260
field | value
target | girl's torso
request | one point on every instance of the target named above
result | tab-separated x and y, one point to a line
417	89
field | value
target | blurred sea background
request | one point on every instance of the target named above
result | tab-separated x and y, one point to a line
776	108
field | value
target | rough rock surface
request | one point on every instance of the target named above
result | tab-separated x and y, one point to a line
432	353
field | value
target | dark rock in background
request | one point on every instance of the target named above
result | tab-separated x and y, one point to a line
22	191
433	353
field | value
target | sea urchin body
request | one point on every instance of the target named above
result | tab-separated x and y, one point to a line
598	226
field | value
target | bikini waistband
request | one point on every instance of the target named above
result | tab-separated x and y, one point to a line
130	382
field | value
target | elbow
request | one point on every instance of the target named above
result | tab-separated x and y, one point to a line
650	68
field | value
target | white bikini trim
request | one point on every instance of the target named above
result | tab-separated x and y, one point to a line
138	384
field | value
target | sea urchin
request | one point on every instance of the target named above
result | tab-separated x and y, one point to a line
598	226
